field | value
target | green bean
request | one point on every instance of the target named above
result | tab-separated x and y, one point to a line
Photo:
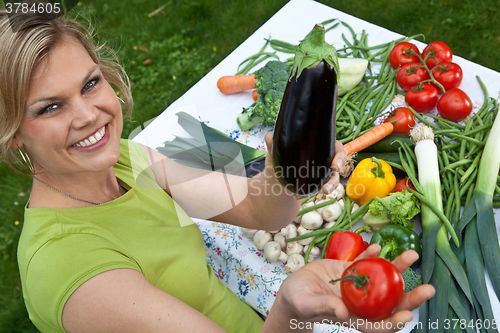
409	160
306	199
457	198
384	62
471	168
323	251
446	121
332	27
470	191
449	201
442	217
451	166
446	131
409	170
477	130
423	120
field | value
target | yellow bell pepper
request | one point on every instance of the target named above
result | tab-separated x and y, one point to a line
371	178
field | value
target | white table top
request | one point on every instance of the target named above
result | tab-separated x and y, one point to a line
233	257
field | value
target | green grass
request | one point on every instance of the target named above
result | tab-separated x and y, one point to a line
188	38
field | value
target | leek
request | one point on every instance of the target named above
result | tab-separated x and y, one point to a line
440	265
211	149
478	224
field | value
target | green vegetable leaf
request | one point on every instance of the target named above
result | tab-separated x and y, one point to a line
313	50
398	208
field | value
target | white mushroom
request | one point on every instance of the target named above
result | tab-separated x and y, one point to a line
338	193
312	220
307	204
295	261
319	210
315	252
272	251
280	239
329	224
301	231
249	232
319	196
261	238
355	207
297	219
290	231
293	247
332	212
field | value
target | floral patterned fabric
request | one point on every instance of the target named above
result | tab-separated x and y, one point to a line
241	266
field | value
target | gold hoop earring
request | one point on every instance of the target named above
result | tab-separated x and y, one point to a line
121	100
26	159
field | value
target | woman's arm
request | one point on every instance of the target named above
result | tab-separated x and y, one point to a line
260	202
122	300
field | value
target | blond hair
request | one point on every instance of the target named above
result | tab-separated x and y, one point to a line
24	40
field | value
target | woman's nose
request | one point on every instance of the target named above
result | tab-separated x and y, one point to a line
84	113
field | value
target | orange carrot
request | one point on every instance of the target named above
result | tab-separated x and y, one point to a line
369	138
255	95
235	83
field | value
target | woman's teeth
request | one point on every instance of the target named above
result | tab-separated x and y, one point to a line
93	139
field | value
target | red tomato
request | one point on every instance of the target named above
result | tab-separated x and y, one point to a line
403	185
400	54
411	74
454	105
450	76
345	245
405	120
383	292
442	54
422	98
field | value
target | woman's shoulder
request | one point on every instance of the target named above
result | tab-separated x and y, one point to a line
133	165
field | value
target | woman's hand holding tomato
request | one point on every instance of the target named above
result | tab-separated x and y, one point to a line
372	288
308	296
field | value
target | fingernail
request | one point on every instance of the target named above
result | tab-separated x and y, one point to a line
329	188
340	163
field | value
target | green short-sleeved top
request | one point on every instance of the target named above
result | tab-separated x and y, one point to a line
144	229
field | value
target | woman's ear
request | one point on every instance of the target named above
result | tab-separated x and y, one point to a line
15	142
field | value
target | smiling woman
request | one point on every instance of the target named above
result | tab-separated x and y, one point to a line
104	246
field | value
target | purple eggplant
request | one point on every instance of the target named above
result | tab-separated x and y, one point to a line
304	133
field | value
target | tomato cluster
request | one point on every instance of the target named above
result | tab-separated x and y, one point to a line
422	92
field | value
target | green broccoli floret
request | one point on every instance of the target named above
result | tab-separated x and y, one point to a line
412	279
271	83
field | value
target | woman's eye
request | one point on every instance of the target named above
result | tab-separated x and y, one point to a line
48	109
91	84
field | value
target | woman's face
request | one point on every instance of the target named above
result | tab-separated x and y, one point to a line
73	119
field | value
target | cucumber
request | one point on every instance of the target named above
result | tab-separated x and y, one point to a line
389	144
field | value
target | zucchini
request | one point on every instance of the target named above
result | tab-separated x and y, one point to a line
389	144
